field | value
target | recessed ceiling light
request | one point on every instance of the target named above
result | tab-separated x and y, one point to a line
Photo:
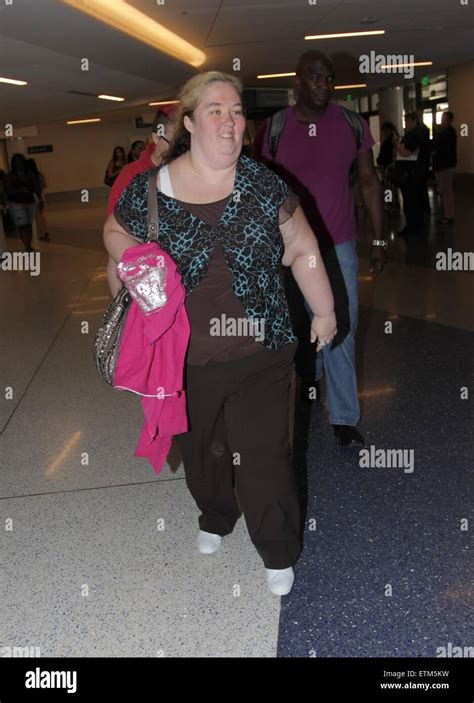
342	35
276	75
120	15
12	82
92	119
403	65
165	102
355	85
111	97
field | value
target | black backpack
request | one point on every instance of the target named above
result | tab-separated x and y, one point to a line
277	122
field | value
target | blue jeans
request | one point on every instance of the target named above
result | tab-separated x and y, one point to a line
337	361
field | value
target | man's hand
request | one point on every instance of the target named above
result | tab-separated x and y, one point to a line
377	259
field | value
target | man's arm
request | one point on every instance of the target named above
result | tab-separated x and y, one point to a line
371	191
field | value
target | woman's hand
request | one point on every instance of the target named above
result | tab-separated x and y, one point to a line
323	329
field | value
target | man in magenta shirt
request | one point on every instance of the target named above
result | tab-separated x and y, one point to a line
314	154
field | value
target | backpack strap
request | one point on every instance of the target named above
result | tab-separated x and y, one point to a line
277	122
355	122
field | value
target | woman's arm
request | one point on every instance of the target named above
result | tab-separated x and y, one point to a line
113	280
116	241
303	255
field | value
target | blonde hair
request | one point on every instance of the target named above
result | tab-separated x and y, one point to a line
189	98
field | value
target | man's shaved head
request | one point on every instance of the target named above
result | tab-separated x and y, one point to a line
310	57
314	80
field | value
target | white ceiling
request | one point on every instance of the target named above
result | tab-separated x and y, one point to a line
42	42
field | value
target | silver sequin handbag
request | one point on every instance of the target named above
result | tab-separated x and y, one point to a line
109	335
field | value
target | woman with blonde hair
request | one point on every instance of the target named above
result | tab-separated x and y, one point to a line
228	222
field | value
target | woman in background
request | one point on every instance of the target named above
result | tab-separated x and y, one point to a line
116	164
40	183
20	193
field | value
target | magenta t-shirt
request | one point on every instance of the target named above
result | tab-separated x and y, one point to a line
317	169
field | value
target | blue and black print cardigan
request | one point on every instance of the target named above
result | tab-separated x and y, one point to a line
248	232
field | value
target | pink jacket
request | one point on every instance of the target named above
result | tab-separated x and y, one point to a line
150	362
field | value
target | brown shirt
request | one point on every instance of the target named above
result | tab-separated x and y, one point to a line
214	298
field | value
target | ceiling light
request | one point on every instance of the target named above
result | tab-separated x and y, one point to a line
400	65
356	85
276	75
336	87
111	97
345	34
92	119
127	19
12	82
165	102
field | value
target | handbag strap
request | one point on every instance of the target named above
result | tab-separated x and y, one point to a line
152	206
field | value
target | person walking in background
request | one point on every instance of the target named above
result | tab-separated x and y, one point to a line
41	185
425	157
411	163
115	165
386	155
385	159
20	190
3	210
151	156
135	150
227	222
315	152
444	163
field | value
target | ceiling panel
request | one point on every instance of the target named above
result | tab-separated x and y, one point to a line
42	41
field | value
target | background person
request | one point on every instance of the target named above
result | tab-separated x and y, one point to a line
315	153
20	188
115	165
411	160
444	163
135	150
40	186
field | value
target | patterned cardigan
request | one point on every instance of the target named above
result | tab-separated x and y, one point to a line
248	232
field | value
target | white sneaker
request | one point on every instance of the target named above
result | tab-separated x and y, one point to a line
280	581
207	543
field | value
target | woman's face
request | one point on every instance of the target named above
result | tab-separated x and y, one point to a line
218	124
119	155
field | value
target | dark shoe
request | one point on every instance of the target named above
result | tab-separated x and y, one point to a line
348	436
310	391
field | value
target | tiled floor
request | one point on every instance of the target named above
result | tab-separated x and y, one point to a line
88	571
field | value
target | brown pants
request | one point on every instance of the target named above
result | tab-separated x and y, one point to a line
236	454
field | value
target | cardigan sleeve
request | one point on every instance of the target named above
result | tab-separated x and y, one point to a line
131	210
